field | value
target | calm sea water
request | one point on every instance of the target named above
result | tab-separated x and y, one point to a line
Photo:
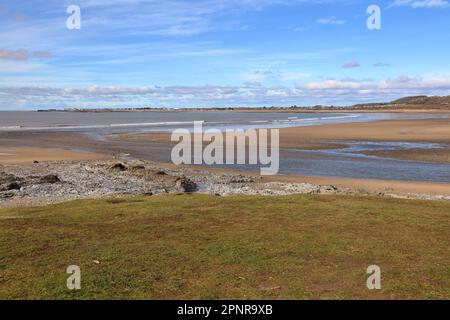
160	120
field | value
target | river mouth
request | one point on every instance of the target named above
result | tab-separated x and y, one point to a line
364	148
352	161
356	161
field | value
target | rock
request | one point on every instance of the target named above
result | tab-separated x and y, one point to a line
328	189
161	173
137	168
88	169
186	185
9	182
50	178
118	167
6	178
6	195
35	161
242	179
13	186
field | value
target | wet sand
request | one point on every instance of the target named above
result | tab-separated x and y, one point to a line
286	141
334	136
22	155
429	155
308	138
437	130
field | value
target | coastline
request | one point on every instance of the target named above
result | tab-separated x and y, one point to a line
44	183
76	150
335	136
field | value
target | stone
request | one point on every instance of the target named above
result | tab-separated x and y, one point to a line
13	186
242	179
7	178
186	185
137	168
6	195
118	167
50	178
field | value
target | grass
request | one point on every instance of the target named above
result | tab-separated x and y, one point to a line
205	247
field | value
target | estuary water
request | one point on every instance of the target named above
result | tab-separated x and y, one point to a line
350	162
160	121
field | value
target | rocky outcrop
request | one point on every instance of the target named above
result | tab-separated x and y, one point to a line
118	167
50	178
186	185
9	182
87	179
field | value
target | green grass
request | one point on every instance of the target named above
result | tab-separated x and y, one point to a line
204	247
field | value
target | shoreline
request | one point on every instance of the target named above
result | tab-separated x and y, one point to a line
339	135
44	183
26	155
58	152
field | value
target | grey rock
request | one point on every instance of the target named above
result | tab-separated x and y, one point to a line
50	178
118	167
13	186
186	185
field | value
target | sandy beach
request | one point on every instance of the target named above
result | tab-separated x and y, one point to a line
69	146
24	155
335	136
436	130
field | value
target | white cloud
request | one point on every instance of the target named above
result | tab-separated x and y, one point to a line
351	65
327	91
401	83
331	20
22	54
422	3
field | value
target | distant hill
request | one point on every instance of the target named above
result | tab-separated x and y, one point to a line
424	101
415	102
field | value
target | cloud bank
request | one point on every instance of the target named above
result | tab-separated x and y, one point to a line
329	91
422	3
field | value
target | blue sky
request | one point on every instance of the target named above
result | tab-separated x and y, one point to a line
202	53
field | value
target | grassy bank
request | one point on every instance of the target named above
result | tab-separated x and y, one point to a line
196	246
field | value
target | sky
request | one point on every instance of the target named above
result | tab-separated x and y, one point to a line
220	53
